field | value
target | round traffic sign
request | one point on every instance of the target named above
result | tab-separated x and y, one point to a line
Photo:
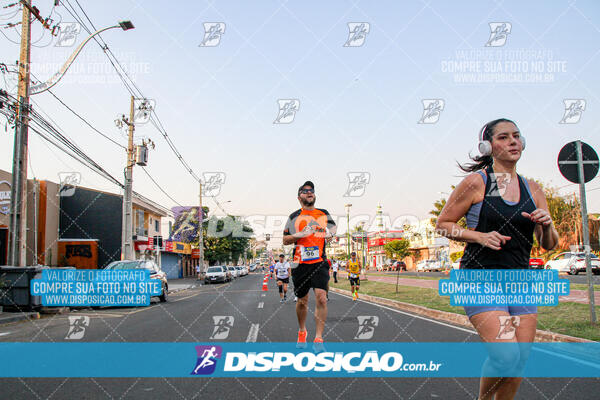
568	164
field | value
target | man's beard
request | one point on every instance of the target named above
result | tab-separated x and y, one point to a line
308	203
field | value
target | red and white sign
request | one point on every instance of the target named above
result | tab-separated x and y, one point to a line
168	246
150	243
195	253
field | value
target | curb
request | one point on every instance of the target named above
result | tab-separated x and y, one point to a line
182	289
453	318
7	319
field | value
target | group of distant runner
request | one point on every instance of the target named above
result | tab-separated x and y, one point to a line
281	270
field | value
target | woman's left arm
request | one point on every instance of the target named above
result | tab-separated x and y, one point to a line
545	232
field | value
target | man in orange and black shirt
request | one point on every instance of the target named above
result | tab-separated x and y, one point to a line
309	229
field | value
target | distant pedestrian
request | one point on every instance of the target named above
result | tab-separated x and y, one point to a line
334	268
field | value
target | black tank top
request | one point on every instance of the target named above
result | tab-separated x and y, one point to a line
497	215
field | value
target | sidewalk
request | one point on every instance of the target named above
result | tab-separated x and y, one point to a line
8	317
576	296
176	285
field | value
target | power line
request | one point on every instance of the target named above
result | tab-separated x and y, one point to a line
129	85
85	121
160	188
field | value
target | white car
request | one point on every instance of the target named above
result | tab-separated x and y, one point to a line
234	272
572	263
216	274
429	265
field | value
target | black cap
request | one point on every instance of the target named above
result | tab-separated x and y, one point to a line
282	255
307	183
353	253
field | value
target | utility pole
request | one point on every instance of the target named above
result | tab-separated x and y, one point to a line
585	231
18	210
127	225
200	234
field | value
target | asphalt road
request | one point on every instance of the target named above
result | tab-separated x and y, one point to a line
188	317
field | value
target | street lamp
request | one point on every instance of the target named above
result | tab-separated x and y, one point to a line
362	244
348	220
42	87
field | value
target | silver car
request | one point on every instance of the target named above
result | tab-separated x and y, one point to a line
216	274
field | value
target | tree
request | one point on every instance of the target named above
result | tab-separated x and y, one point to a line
566	215
226	239
397	249
438	206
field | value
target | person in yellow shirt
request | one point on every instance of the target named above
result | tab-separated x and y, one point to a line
353	275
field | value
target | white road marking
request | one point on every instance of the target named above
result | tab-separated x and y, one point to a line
261	304
4	333
263	295
253	334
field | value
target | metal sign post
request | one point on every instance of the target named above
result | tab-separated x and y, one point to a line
578	162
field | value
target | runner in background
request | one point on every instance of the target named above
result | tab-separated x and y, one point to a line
353	269
282	272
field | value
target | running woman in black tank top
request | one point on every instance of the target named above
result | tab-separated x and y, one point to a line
511	210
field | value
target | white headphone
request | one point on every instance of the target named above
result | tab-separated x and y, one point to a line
485	146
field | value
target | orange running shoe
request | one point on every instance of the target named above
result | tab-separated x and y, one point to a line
301	344
318	346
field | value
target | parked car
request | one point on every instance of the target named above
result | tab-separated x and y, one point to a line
398	265
434	265
429	265
242	270
536	263
155	273
573	263
234	272
217	274
252	268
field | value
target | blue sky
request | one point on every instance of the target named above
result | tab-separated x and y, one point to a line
359	106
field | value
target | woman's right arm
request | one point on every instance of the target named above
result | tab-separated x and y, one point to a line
457	205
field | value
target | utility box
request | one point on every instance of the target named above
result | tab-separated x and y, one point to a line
141	155
14	287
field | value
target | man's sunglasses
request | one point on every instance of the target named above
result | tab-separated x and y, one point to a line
305	191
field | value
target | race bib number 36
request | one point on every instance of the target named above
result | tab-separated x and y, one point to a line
309	253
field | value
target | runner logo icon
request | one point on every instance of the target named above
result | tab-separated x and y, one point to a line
212	34
358	33
573	110
67	34
507	326
498	34
366	326
287	111
432	108
207	359
77	327
223	325
357	183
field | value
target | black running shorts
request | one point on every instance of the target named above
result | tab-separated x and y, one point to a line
355	281
307	276
284	280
